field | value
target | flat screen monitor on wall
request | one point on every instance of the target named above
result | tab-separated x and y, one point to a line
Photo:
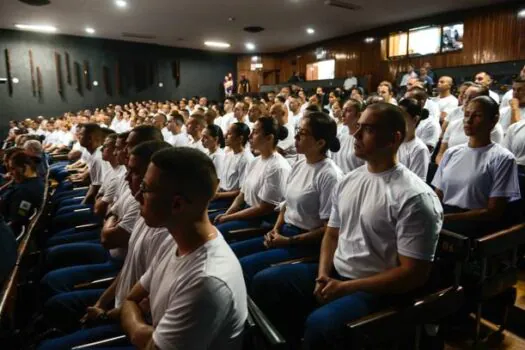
397	44
320	70
424	41
452	37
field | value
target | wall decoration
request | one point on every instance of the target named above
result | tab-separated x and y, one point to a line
68	69
87	75
78	77
8	72
39	84
175	71
118	82
32	68
106	80
58	67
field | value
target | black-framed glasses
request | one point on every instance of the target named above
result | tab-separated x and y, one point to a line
143	189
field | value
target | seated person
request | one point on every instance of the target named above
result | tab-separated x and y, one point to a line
213	141
455	135
194	289
25	195
346	158
8	250
307	201
235	162
380	242
33	148
264	183
515	111
413	153
476	181
428	130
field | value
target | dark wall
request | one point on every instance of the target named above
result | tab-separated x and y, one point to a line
142	67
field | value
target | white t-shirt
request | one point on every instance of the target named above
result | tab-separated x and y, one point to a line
345	158
166	134
265	180
179	140
468	177
112	187
308	193
415	156
296	120
64	138
514	141
381	216
494	95
52	138
97	167
455	134
428	131
233	169
505	100
288	144
446	104
144	244
127	210
198	301
505	116
218	159
349	83
227	120
197	145
455	114
120	126
433	110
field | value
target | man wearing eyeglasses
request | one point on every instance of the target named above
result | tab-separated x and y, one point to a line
379	242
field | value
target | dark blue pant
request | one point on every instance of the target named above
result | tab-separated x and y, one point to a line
70	236
71	254
285	295
82	337
255	257
64	311
64	279
220	203
74	218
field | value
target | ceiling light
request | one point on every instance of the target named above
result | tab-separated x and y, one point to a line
90	30
310	30
37	28
521	13
217	44
95	83
369	40
121	3
255	58
250	46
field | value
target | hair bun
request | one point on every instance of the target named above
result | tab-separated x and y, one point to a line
335	145
282	133
424	114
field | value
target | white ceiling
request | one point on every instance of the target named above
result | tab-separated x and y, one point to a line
195	21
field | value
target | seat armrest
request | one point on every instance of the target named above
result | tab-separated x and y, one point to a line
110	342
304	259
86	227
245	233
101	283
500	242
454	246
211	211
270	333
80	188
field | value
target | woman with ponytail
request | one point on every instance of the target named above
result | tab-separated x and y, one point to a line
307	200
264	183
213	141
413	153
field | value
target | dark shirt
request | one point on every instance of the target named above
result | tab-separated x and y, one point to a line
8	251
18	201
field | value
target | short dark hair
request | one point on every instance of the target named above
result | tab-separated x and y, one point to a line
112	137
91	128
216	131
324	128
147	133
488	105
145	150
392	117
413	108
199	177
242	130
270	126
21	159
123	135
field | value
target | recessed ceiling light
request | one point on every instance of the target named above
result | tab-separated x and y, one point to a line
37	28
217	44
90	30
255	58
121	3
95	83
369	40
250	46
521	13
310	30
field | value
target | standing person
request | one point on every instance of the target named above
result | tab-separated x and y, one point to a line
372	250
287	146
509	94
178	137
385	90
350	81
213	142
445	100
409	74
484	79
195	126
516	108
244	86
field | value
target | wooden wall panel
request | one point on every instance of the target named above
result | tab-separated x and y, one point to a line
257	78
493	34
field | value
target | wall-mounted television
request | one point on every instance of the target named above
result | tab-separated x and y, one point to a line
452	37
424	40
320	70
397	44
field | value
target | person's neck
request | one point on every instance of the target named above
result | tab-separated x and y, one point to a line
377	166
237	148
444	94
352	128
479	141
114	163
314	158
241	119
190	236
266	153
92	149
176	132
196	136
410	135
212	149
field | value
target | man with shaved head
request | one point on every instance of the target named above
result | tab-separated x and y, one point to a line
446	101
505	100
484	79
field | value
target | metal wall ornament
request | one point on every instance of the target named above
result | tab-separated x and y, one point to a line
32	68
87	75
8	72
58	67
68	69
39	84
106	80
78	77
